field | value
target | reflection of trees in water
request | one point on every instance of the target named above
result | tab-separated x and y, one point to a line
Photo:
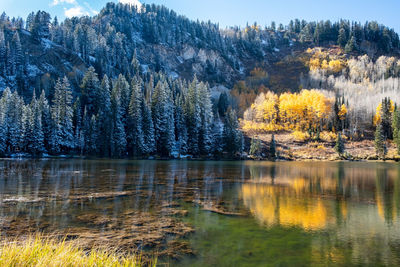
355	206
57	191
387	195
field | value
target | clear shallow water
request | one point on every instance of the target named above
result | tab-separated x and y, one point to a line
223	213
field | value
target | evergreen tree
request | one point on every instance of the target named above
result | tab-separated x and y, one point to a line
255	147
135	133
62	115
90	134
223	104
339	146
44	109
14	117
207	118
342	38
380	142
396	129
163	119
232	136
67	116
218	129
4	120
351	45
272	148
3	53
148	130
103	118
118	135
123	88
36	145
19	55
181	133
386	118
90	88
193	116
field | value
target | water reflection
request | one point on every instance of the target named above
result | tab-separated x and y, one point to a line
343	213
357	208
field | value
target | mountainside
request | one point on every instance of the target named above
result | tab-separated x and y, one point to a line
124	40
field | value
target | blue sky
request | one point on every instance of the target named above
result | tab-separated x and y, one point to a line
232	12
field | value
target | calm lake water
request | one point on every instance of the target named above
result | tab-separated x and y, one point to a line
212	213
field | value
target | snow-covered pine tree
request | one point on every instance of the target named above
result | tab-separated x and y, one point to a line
181	133
118	136
62	139
90	88
4	102
217	130
36	143
3	53
19	55
148	130
193	116
207	119
78	128
14	113
27	131
232	136
44	109
163	118
56	107
123	88
103	118
135	120
67	132
90	134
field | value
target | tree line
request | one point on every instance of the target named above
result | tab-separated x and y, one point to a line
116	118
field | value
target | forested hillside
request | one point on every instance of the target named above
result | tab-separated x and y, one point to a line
35	52
142	82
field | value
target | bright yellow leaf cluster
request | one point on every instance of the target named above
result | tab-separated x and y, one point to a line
342	112
325	60
377	117
307	110
304	111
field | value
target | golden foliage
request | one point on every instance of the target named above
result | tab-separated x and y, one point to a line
325	60
377	117
300	136
304	111
342	112
328	136
307	110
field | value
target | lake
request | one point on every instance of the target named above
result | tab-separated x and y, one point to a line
211	213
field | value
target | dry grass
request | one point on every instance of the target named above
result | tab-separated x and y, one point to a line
290	147
40	251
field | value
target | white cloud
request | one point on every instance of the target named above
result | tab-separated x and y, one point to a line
76	11
132	2
58	2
